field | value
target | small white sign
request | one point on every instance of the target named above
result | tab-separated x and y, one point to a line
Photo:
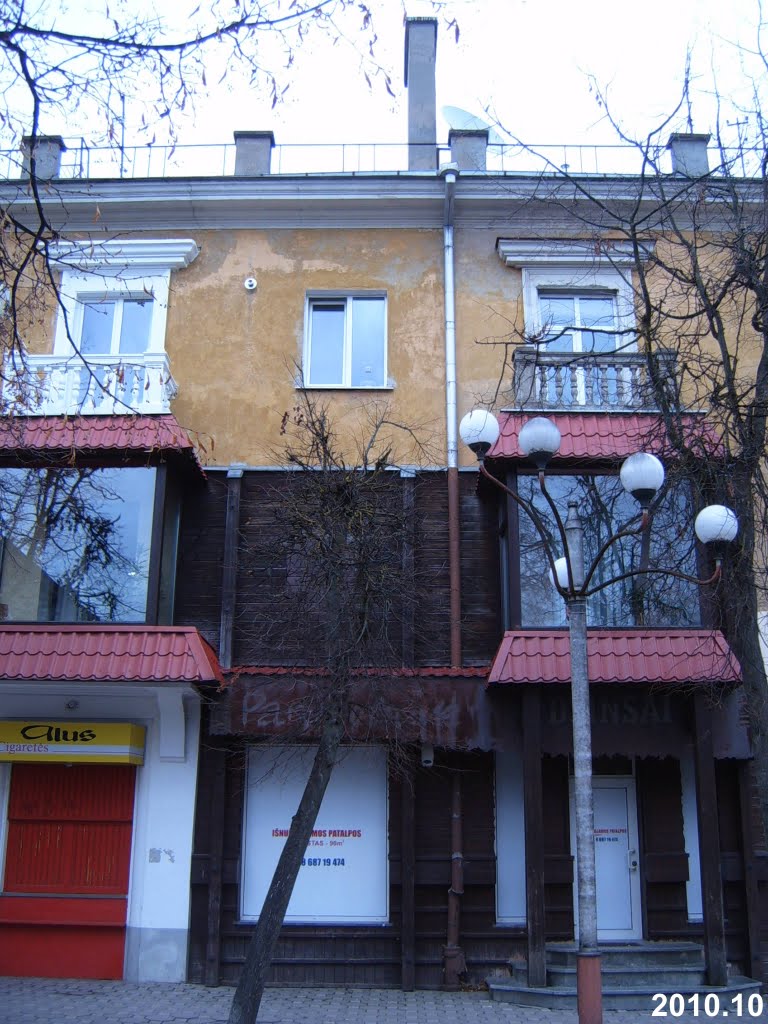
344	875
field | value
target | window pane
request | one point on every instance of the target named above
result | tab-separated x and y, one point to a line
557	314
134	330
96	333
598	312
368	342
326	356
75	544
604	506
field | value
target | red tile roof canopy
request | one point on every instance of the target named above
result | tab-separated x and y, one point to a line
678	656
106	654
610	436
126	436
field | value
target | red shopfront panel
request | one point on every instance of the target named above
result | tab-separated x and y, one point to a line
63	907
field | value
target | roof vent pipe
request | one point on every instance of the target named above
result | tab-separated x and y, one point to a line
469	148
420	53
689	154
253	153
47	150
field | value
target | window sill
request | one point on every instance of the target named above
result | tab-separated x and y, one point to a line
344	387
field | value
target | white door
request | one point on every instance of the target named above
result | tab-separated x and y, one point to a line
616	859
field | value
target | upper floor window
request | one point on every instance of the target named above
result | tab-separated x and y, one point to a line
654	600
345	341
578	325
115	326
114	295
579	321
76	545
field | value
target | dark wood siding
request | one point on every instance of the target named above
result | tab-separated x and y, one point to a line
201	557
664	863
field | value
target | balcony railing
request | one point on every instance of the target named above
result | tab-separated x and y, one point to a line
46	385
610	381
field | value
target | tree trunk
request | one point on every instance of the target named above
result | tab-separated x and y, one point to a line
250	988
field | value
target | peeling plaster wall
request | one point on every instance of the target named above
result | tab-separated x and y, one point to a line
234	352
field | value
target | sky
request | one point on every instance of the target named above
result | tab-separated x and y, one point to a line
524	64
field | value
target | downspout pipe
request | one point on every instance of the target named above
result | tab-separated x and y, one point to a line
449	174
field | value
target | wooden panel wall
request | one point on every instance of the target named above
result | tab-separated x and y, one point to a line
201	556
368	956
269	626
663	861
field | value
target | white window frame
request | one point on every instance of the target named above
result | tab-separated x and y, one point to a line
115	270
575	267
592	283
347	297
577	329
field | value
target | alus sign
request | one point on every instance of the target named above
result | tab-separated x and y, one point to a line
42	740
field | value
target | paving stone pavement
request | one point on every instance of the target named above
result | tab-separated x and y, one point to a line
50	1001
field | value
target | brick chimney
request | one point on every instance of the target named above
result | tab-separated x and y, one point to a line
420	51
689	154
253	152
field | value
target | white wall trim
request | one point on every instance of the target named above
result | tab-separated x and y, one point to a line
145	253
587	252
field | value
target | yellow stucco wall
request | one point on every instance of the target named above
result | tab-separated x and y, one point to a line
233	352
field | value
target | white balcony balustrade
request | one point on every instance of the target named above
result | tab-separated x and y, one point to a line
47	385
605	381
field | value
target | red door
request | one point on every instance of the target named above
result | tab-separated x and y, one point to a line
64	899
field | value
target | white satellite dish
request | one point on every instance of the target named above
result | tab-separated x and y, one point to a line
464	121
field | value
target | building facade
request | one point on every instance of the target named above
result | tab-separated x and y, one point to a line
145	582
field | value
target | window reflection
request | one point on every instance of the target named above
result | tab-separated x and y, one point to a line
75	544
605	507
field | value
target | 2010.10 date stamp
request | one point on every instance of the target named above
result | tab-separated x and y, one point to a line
710	1005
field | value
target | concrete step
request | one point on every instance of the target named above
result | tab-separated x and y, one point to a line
637	998
664	978
632	954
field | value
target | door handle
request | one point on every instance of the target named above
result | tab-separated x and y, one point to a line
632	860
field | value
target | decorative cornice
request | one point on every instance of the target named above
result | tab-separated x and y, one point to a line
147	253
542	252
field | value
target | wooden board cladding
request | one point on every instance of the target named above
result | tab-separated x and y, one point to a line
274	625
201	556
336	955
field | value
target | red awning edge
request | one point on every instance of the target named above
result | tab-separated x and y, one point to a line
677	656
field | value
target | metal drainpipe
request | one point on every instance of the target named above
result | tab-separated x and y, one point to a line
454	966
449	173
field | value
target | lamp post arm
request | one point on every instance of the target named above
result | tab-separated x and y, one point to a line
535	518
656	572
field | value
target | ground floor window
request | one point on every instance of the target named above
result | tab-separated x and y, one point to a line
344	877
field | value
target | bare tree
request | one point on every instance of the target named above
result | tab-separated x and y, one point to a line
345	530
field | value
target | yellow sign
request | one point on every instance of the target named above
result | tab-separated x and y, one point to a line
44	740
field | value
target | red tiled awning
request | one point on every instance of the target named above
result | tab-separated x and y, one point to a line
95	435
104	653
603	435
681	656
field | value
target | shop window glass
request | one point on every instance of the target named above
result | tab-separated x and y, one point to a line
75	544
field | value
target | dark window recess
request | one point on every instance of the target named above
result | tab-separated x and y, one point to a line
605	507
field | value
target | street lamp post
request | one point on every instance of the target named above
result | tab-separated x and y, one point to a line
642	475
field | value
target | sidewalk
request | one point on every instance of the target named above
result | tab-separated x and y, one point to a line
49	1001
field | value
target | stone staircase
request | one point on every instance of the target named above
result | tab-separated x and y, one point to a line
631	975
